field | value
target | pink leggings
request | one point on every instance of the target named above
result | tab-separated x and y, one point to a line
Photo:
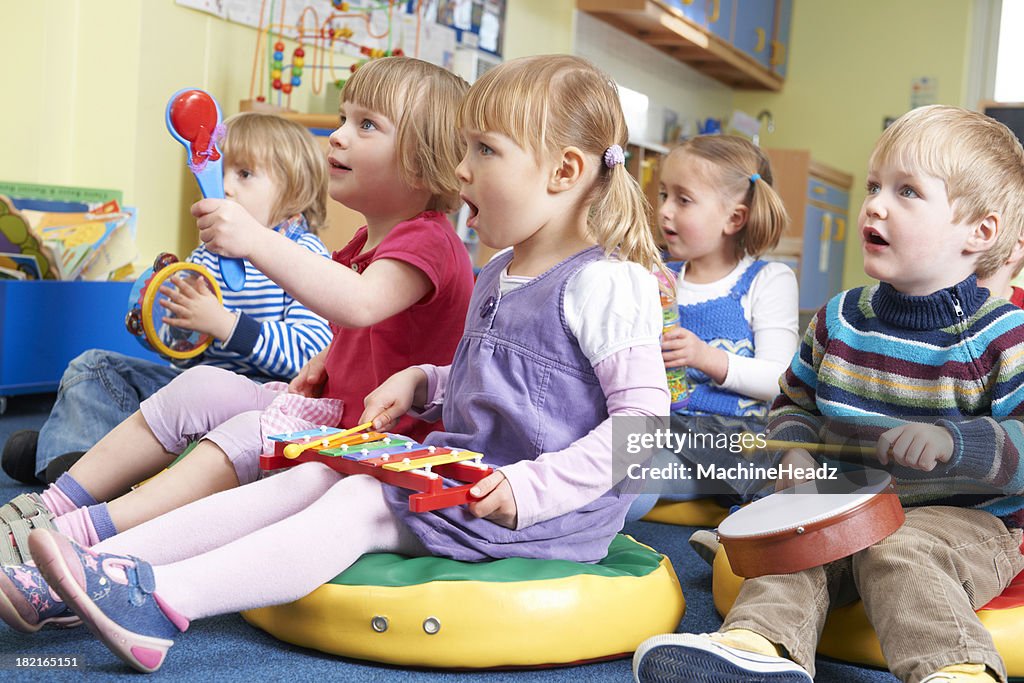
216	404
267	543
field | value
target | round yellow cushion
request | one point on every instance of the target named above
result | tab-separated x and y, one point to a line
700	512
848	636
436	612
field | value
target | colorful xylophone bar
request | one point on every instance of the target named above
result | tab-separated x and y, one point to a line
391	458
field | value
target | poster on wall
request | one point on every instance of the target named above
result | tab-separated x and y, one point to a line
427	29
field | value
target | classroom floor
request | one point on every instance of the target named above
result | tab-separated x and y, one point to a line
228	649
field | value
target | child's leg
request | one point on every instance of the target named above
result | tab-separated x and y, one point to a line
921	585
226	457
190	406
288	560
98	390
225	517
790	609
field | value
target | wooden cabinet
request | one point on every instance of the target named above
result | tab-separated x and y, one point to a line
817	198
742	43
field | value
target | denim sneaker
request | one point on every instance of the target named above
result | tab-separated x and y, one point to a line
692	658
113	595
27	603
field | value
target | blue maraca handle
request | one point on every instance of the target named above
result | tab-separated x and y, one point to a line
211	183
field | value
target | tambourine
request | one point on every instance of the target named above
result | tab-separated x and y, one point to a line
146	311
811	524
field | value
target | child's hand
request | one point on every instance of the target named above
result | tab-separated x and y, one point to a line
915	445
795	458
386	404
225	227
494	500
311	378
682	348
196	307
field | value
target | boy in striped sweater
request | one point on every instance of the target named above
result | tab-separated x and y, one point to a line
927	367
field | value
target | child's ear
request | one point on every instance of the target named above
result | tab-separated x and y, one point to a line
984	235
568	170
737	219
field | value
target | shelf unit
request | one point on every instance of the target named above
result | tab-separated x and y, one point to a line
661	25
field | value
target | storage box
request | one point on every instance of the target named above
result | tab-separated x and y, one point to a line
44	324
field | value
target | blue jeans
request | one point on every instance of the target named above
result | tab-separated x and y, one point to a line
98	391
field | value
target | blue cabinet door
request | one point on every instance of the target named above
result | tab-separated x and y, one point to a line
837	255
720	14
780	46
816	259
754	21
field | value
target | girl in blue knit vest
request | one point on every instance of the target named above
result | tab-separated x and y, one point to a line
738	313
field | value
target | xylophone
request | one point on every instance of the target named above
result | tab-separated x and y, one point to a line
392	458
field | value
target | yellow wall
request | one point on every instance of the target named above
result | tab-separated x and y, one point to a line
91	110
851	65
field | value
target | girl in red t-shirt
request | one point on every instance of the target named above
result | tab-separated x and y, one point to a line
395	296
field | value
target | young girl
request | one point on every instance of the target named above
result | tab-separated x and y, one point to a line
275	170
395	295
738	313
562	334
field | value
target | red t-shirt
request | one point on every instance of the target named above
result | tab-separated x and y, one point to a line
359	360
1017	297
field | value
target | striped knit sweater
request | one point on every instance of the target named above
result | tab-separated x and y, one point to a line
874	358
275	335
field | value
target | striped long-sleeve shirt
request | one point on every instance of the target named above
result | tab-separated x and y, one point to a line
874	358
275	335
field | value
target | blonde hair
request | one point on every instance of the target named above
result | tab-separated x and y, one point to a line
979	159
736	161
549	102
421	99
287	151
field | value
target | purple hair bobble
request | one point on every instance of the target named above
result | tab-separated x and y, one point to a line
613	156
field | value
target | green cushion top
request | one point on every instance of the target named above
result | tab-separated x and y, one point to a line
625	557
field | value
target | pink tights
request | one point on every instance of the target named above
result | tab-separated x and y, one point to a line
266	543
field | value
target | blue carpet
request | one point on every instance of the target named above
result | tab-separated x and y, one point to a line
227	649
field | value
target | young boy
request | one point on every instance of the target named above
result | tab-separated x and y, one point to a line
945	199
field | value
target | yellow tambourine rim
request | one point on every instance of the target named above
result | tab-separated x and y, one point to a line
482	624
849	637
149	300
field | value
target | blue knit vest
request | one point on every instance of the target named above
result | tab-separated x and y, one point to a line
721	324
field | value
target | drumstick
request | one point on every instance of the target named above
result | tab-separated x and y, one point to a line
294	450
836	448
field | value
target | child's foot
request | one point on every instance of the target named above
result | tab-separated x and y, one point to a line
705	543
27	603
18	517
961	673
707	658
113	595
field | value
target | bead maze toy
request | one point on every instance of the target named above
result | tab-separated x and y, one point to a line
391	458
146	309
194	119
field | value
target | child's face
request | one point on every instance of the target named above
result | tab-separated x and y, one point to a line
364	171
254	188
910	238
505	188
692	214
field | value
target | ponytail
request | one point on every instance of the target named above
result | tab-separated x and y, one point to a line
619	218
767	219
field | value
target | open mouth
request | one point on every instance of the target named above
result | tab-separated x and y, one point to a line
669	232
474	211
872	236
337	164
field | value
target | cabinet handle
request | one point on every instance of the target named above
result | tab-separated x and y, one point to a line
778	53
760	39
840	229
818	189
825	243
715	12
